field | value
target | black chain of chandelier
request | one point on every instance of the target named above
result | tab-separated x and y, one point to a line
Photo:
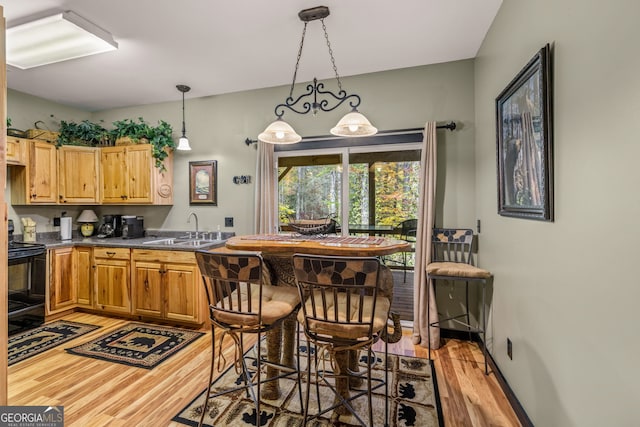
314	89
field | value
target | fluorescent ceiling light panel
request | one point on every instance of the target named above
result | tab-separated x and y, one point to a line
56	38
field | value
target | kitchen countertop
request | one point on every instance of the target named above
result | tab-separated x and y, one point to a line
52	241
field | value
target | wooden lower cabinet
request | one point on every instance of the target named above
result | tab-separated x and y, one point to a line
166	285
84	276
62	289
155	284
112	280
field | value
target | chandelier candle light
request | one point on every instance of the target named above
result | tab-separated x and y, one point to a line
352	124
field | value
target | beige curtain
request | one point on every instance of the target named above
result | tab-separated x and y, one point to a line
426	220
266	217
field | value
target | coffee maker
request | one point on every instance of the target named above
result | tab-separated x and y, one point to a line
111	226
132	226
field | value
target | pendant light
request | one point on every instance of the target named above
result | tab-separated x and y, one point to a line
183	143
352	124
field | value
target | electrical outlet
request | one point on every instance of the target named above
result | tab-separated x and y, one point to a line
509	349
228	221
56	221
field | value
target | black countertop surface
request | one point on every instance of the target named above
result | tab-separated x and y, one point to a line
52	241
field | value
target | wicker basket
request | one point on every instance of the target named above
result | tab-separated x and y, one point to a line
125	140
42	135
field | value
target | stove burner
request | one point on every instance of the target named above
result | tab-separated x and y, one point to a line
17	250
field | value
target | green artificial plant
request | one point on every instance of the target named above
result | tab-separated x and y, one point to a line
160	137
83	133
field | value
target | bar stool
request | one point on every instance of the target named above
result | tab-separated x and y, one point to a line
452	260
240	303
342	312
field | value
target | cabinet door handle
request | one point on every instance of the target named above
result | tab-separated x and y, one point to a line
111	253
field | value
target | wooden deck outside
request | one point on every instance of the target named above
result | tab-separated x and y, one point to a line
402	294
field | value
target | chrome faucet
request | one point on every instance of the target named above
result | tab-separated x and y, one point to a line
189	221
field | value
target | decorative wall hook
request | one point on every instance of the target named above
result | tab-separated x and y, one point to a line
242	179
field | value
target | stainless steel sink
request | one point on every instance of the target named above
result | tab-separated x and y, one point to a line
167	242
194	243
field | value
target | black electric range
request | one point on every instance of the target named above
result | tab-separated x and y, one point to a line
26	284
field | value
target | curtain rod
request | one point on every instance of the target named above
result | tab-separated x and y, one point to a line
450	126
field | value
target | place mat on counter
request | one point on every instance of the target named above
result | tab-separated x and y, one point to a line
358	240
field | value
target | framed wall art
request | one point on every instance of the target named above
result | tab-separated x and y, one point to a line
524	142
203	183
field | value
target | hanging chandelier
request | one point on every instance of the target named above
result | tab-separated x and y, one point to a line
317	98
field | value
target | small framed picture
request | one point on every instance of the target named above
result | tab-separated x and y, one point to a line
524	142
203	183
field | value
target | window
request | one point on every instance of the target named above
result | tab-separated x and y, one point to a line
381	183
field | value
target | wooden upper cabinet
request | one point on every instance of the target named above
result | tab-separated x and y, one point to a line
37	183
113	170
78	174
140	173
88	175
16	151
128	175
43	172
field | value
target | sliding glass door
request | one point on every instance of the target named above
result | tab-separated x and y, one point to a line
310	187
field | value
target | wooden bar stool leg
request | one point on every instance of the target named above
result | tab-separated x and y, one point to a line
271	390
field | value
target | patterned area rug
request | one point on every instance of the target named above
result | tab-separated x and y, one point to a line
42	338
413	400
138	344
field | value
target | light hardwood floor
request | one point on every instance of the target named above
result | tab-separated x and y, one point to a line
98	393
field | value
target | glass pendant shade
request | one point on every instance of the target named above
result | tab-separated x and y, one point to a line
354	124
183	144
279	132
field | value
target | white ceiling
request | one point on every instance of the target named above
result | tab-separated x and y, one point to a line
227	46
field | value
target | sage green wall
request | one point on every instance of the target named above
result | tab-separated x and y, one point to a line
567	292
218	125
24	110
